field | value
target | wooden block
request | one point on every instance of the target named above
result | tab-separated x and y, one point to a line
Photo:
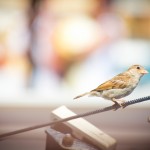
85	129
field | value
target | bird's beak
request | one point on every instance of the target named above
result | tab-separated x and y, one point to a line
144	71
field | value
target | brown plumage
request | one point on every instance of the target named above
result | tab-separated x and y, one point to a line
119	86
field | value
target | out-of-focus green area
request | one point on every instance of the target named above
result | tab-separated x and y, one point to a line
52	50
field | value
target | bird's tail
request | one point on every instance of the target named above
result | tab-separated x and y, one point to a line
87	93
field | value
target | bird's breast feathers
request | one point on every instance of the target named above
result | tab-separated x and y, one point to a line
116	93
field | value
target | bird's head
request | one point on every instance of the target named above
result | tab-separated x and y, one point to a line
137	70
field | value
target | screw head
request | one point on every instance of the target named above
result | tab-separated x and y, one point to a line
67	140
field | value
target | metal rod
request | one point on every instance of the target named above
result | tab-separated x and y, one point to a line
113	107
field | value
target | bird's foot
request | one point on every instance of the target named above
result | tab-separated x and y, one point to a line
119	102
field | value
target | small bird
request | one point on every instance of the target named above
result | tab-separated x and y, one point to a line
119	86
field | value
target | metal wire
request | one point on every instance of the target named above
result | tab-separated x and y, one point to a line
113	107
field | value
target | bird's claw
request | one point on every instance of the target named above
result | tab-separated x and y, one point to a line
115	106
118	104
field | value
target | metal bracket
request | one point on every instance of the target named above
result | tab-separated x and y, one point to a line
60	141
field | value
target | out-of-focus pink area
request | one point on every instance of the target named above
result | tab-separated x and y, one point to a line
57	49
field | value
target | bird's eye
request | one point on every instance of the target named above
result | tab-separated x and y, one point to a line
138	67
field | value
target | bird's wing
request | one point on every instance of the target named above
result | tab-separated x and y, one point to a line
118	82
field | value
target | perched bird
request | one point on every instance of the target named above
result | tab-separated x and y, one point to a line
119	86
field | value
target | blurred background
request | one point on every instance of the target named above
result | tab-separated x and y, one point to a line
52	50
